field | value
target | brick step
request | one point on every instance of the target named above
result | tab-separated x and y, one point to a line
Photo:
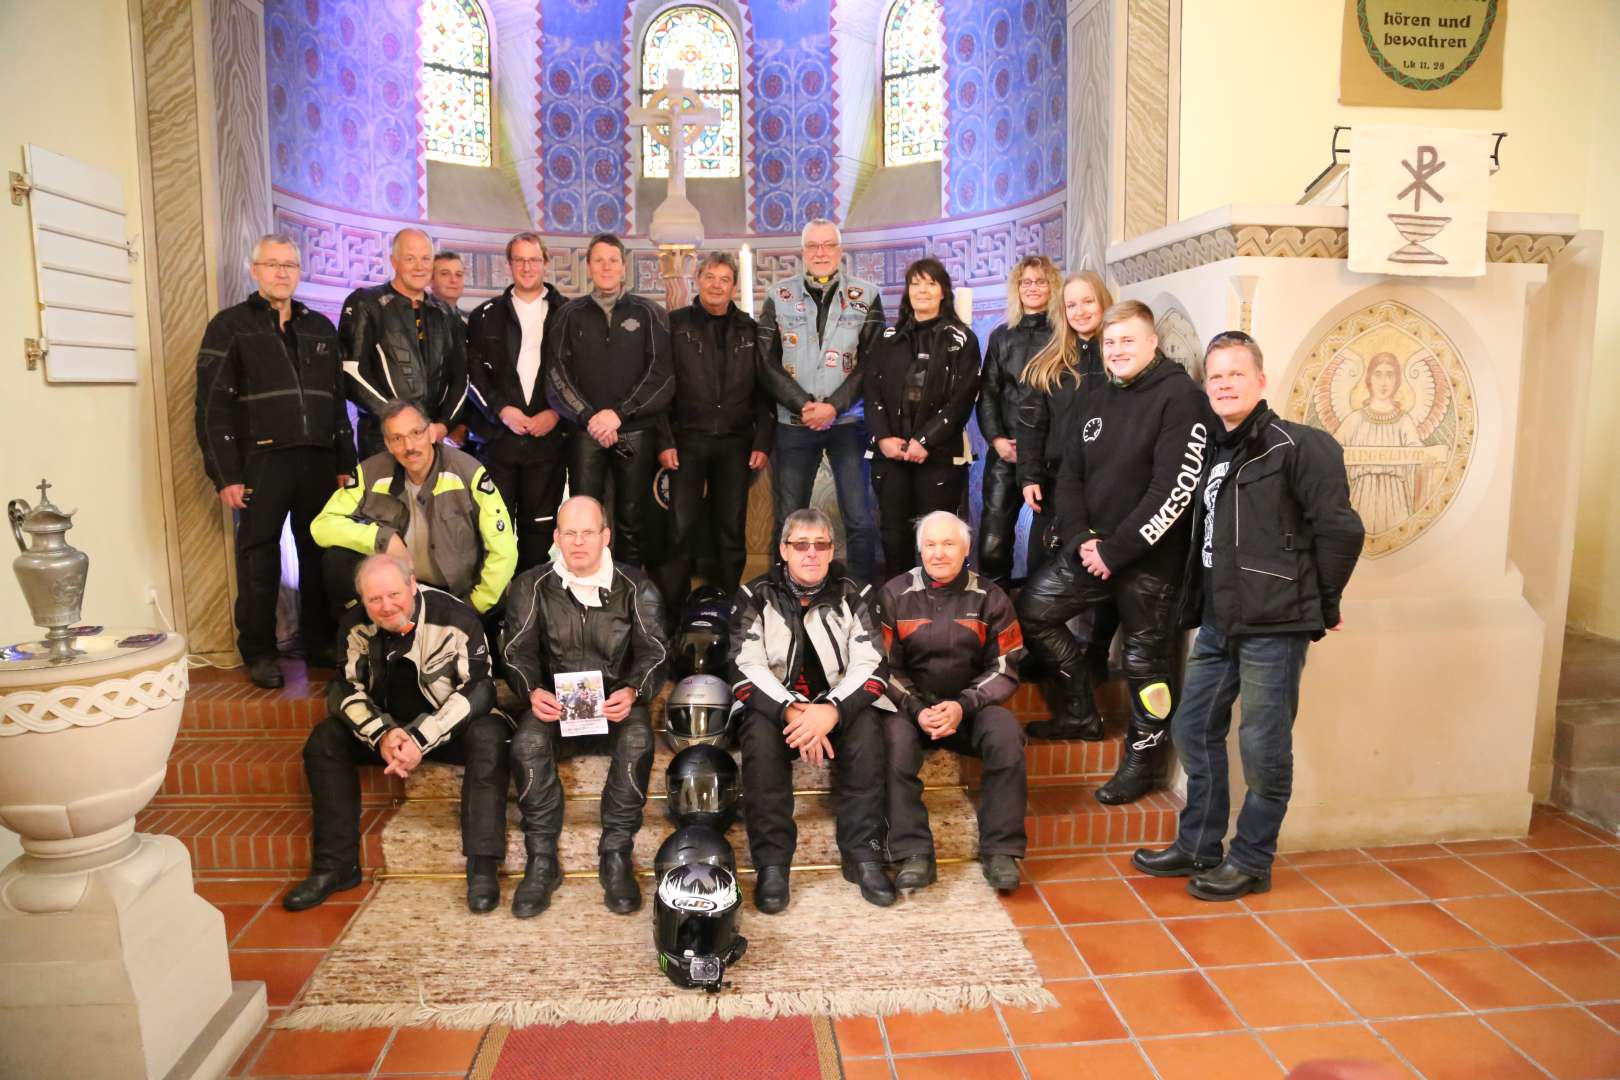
254	839
225	703
254	769
1068	818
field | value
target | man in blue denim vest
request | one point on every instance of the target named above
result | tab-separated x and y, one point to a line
812	331
1257	606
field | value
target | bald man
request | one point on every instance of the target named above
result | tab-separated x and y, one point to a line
400	342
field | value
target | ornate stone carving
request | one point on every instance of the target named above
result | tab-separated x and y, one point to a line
1179	339
62	707
1391	387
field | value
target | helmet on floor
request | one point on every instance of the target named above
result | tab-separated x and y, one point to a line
695	924
693	844
698	712
707	602
702	788
703	647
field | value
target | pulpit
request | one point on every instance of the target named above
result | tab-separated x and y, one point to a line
1458	402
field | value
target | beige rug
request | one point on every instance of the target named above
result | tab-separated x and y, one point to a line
415	956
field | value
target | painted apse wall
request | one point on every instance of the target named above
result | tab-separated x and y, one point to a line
1258	132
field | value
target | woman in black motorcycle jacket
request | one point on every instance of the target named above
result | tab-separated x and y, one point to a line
921	378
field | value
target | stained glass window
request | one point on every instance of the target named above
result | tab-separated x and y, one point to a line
914	82
455	82
701	42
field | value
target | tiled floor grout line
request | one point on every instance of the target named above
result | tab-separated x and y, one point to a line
382	1054
1006	1033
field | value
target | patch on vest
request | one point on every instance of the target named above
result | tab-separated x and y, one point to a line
784	294
831	358
631	324
888	331
791	339
1092	429
855	292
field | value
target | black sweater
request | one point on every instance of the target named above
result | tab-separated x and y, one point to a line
1134	459
1046	420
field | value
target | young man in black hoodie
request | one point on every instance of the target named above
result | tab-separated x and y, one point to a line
1257	610
1124	489
522	444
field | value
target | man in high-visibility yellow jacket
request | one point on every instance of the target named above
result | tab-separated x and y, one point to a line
425	502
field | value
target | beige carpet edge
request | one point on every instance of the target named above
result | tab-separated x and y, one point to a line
674	1008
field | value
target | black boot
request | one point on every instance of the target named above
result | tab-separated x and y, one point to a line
771	889
483	884
541	877
917	872
1227	882
265	673
620	893
1137	772
1077	719
318	886
1001	871
876	888
1168	862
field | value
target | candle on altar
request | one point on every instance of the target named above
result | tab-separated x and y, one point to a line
964	304
745	261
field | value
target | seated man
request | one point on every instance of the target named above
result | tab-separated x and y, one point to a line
583	612
953	647
425	502
414	683
811	678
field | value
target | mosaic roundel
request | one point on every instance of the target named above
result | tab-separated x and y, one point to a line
1391	387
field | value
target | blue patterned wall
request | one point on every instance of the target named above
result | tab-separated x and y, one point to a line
584	142
794	122
342	93
1006	72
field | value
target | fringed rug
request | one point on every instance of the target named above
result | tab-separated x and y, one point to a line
797	1048
414	956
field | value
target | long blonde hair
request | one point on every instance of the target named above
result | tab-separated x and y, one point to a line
1054	290
1046	368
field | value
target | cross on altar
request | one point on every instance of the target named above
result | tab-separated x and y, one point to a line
685	113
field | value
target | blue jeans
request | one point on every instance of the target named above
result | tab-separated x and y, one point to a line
793	476
1265	670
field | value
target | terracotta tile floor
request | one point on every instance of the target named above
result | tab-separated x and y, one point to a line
1492	959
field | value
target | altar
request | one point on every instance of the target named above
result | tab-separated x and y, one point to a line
1456	401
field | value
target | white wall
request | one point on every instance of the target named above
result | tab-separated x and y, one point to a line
68	86
1259	99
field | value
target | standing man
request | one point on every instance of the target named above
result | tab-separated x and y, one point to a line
275	440
719	431
584	611
810	675
402	343
611	378
414	684
1257	611
812	330
522	448
450	281
953	647
1124	487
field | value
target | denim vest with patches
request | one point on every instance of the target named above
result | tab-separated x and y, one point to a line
821	365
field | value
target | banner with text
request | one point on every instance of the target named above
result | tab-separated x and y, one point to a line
1418	200
1433	54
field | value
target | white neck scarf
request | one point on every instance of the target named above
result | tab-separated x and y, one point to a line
587	590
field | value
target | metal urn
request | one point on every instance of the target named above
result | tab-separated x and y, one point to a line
52	572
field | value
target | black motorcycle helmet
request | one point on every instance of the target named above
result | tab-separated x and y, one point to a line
695	925
707	602
703	790
693	844
699	711
703	647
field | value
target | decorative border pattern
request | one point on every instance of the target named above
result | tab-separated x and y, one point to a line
1292	242
42	712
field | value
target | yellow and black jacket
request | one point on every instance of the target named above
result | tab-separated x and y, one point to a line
472	543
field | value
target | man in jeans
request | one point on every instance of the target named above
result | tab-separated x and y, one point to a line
812	331
1257	610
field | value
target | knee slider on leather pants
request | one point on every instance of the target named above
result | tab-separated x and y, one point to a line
1151	699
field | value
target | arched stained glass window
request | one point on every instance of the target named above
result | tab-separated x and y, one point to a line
914	82
701	42
455	82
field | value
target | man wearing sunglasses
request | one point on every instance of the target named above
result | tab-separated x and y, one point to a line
810	674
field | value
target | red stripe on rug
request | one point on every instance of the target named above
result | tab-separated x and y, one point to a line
784	1049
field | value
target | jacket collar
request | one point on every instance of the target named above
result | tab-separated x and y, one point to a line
1252	429
957	584
1033	320
257	302
835	571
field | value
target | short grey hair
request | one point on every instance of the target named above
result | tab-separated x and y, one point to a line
820	223
372	562
720	258
399	237
963	530
393	408
806	518
274	239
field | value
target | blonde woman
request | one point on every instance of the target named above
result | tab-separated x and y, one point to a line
1033	313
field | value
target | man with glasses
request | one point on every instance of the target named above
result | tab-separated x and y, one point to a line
507	338
402	343
275	440
609	375
426	503
812	331
585	611
810	674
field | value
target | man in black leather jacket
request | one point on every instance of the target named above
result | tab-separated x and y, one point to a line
585	611
522	444
1257	610
275	440
1032	289
402	343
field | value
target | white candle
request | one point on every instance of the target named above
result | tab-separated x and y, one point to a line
964	304
745	260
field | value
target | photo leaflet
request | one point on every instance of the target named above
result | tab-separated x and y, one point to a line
583	698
